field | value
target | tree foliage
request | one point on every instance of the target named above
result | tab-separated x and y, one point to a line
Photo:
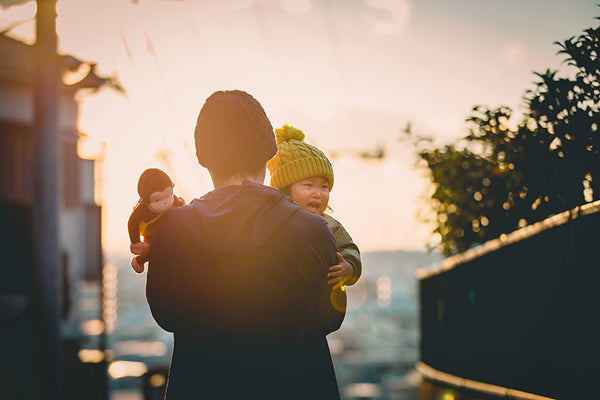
505	174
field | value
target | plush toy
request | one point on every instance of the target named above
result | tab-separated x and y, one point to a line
156	197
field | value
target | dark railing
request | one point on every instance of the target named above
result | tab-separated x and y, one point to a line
517	316
20	349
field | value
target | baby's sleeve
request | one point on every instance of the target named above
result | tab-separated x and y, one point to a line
346	247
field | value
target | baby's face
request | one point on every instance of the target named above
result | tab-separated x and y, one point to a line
161	201
312	194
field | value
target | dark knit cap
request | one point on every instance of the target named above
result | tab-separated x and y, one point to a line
233	133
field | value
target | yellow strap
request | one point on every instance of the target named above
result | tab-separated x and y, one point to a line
144	225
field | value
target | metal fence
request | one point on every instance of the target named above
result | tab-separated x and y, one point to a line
518	315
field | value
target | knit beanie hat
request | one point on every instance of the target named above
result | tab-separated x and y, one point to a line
296	160
233	133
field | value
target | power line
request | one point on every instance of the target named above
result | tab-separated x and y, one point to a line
135	69
261	20
335	44
150	48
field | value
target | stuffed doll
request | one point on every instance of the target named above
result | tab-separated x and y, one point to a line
156	197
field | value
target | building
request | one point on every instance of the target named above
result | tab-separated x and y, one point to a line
81	324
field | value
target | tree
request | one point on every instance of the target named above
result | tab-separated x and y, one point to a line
505	175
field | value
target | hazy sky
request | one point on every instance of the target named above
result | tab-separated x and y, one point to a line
350	73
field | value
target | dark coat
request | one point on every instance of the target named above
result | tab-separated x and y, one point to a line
239	277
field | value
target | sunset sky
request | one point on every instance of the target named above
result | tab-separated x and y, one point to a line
350	73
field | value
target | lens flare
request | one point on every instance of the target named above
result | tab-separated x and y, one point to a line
338	299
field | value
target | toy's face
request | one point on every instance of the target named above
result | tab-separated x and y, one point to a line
161	201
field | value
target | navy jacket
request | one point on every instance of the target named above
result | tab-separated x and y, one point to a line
239	277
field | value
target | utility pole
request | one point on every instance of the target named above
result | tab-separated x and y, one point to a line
46	202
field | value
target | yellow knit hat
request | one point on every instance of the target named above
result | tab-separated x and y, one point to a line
296	160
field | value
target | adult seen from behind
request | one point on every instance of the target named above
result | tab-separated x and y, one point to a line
240	274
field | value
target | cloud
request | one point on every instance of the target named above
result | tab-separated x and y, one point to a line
512	52
388	17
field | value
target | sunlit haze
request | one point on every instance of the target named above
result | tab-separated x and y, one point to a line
350	73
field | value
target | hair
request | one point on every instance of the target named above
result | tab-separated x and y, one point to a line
287	190
226	173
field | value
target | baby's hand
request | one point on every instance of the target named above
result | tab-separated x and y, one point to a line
138	248
340	273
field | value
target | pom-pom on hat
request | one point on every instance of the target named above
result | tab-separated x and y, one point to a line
296	160
233	133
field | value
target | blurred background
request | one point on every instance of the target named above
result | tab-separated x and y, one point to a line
119	84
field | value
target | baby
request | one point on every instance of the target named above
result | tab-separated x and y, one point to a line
304	173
